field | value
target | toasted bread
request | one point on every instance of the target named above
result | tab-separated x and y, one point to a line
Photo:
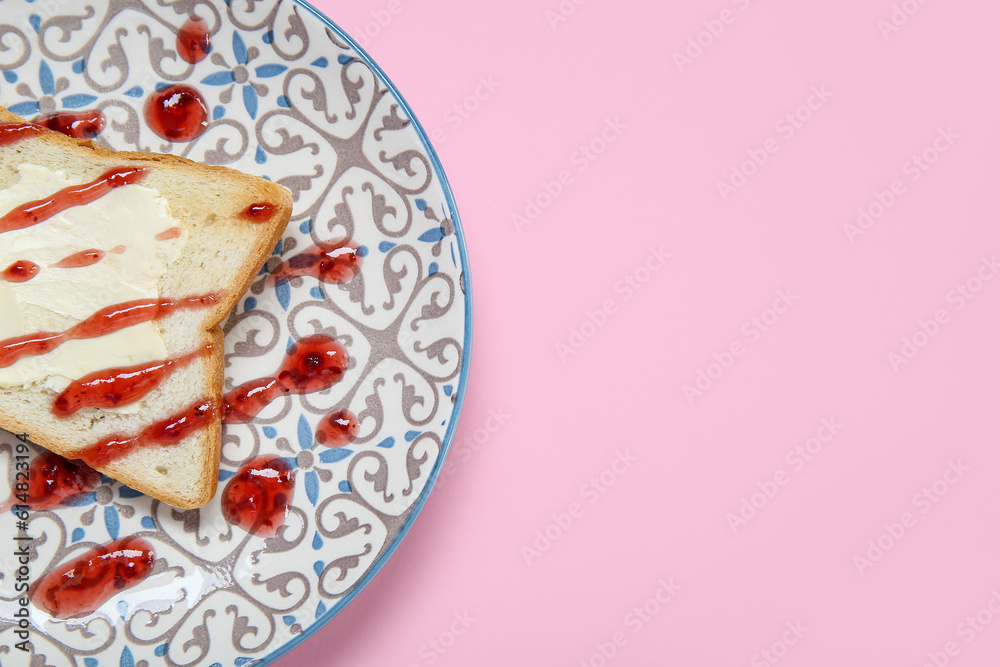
223	225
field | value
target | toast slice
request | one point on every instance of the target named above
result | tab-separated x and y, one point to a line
135	261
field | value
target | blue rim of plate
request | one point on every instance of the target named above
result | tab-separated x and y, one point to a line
463	379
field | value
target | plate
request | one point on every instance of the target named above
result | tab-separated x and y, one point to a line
291	98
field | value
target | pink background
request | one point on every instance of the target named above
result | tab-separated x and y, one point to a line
804	577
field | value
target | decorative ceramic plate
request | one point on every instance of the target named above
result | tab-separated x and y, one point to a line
288	97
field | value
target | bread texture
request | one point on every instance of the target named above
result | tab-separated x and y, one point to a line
223	252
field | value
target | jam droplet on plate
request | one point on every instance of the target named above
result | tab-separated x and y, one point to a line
76	124
20	271
314	363
177	113
81	586
80	259
337	429
52	479
167	234
257	497
333	262
193	40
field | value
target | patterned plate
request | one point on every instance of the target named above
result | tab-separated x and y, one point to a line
291	98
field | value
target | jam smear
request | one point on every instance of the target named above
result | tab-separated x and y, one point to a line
119	249
163	433
12	133
193	40
334	262
337	429
257	497
119	386
76	124
53	479
177	113
260	212
80	259
20	271
105	321
167	234
84	584
312	364
40	210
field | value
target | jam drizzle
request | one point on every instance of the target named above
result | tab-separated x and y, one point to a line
312	364
334	262
257	497
12	133
53	479
76	124
164	433
80	259
20	271
177	113
119	386
40	210
193	40
337	429
81	586
105	321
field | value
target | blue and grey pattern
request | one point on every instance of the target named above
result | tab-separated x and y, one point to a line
292	101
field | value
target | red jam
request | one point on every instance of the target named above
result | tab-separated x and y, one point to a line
193	40
118	386
20	271
40	210
164	433
177	113
332	262
337	429
81	586
257	498
314	363
105	321
12	133
167	234
80	259
52	479
261	212
76	124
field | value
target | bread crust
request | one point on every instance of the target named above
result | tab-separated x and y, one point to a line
258	244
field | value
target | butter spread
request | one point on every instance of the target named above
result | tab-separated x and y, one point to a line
57	298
